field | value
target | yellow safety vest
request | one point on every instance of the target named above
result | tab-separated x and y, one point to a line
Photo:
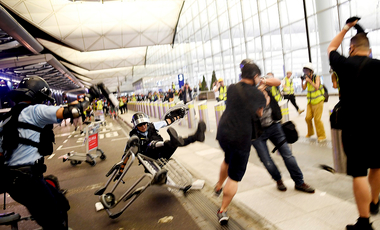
223	93
337	81
288	89
276	93
99	105
315	96
121	103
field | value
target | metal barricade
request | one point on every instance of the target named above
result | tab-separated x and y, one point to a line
182	122
155	110
203	113
165	107
285	115
191	115
284	110
160	110
219	110
139	106
151	109
339	156
146	105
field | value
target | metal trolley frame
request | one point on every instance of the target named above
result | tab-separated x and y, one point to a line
162	172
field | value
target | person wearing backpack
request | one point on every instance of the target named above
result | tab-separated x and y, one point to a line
270	128
315	100
26	136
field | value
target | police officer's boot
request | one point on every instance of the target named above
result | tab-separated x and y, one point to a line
199	135
175	140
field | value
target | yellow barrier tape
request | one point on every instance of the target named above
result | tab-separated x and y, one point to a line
220	108
202	107
285	111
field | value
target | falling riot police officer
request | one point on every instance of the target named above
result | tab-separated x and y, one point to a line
151	142
26	136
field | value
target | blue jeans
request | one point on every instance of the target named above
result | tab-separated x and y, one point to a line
275	134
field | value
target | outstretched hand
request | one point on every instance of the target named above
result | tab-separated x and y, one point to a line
352	24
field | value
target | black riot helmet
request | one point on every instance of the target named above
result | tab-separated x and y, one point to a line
32	88
139	118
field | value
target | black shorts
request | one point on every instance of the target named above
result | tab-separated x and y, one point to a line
362	153
236	159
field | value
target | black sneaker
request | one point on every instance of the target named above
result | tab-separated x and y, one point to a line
305	188
281	186
374	208
199	135
175	140
361	224
222	217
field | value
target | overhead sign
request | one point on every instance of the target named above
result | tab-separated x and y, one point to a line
181	80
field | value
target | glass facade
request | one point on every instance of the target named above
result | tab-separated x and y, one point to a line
215	35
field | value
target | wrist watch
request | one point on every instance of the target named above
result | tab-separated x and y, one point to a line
346	27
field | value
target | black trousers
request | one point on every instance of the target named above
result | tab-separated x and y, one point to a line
46	204
167	150
292	99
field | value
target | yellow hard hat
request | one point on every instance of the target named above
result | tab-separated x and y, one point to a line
220	79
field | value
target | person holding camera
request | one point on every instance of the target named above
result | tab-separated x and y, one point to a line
315	100
359	141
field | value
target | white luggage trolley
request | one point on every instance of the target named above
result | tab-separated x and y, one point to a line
92	145
162	172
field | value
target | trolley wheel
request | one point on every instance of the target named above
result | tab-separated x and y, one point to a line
108	200
92	163
75	162
102	155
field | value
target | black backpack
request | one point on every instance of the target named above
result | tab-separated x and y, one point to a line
291	134
12	138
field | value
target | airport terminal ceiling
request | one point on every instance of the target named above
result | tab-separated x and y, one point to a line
120	42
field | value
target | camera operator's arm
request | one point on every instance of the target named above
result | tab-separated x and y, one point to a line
317	82
303	83
315	85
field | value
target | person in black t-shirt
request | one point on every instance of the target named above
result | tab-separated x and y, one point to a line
235	134
358	123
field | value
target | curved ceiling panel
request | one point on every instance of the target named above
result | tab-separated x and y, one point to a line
90	26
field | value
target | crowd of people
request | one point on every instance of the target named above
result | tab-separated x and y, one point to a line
249	102
252	116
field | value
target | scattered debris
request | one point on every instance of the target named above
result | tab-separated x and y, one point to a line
166	219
